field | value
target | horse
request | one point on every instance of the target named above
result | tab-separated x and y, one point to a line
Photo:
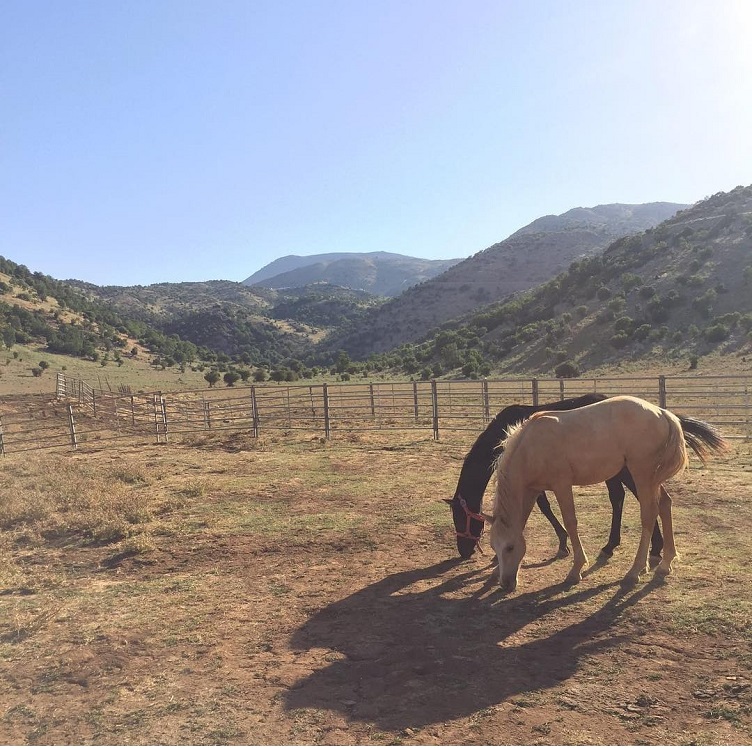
556	450
478	466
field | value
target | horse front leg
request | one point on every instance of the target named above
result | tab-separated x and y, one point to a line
545	506
565	499
616	497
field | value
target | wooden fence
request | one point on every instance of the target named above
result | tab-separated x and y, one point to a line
81	415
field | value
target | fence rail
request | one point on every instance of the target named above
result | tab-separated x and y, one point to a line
81	415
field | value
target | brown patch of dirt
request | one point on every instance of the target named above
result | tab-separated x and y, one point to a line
381	637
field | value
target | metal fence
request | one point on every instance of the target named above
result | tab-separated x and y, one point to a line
82	415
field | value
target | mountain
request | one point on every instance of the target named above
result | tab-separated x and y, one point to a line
527	258
234	319
378	273
675	292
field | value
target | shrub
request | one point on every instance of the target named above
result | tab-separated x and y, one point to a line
717	333
619	340
647	292
642	332
567	370
624	325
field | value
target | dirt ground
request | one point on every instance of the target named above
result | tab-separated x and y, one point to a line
310	593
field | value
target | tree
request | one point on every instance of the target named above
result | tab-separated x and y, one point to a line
43	365
567	370
9	337
231	377
212	376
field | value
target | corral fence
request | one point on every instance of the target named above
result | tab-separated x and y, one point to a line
79	414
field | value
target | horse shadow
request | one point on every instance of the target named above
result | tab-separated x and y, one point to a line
411	656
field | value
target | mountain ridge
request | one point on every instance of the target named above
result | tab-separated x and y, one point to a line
379	273
528	257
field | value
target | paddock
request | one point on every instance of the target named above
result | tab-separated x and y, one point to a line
294	590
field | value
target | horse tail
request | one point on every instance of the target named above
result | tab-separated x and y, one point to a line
702	438
675	457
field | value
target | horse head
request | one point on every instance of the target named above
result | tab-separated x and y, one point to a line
468	525
509	544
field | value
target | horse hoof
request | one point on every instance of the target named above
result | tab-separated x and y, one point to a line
630	580
606	553
663	570
573	578
563	552
654	561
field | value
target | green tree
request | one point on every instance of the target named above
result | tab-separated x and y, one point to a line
231	377
567	370
212	377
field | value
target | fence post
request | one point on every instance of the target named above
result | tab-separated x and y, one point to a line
535	391
373	402
662	391
435	409
2	437
327	424
93	404
561	388
72	425
133	411
163	404
486	405
415	399
60	385
156	417
254	408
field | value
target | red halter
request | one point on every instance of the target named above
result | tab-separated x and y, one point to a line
469	514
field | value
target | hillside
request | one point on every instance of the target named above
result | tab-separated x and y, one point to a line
529	257
260	324
677	292
378	273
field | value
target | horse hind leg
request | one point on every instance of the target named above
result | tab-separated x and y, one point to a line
616	497
656	541
669	547
648	495
545	506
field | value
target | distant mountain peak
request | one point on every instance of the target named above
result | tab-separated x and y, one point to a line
379	273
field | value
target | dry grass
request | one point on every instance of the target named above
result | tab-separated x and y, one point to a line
232	591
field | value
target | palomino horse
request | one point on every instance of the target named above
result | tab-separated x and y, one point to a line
478	466
557	450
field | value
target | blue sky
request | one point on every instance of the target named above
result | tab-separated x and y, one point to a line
160	140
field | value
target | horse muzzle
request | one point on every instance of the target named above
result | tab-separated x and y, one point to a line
466	546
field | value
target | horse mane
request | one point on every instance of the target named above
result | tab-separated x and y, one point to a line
508	447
